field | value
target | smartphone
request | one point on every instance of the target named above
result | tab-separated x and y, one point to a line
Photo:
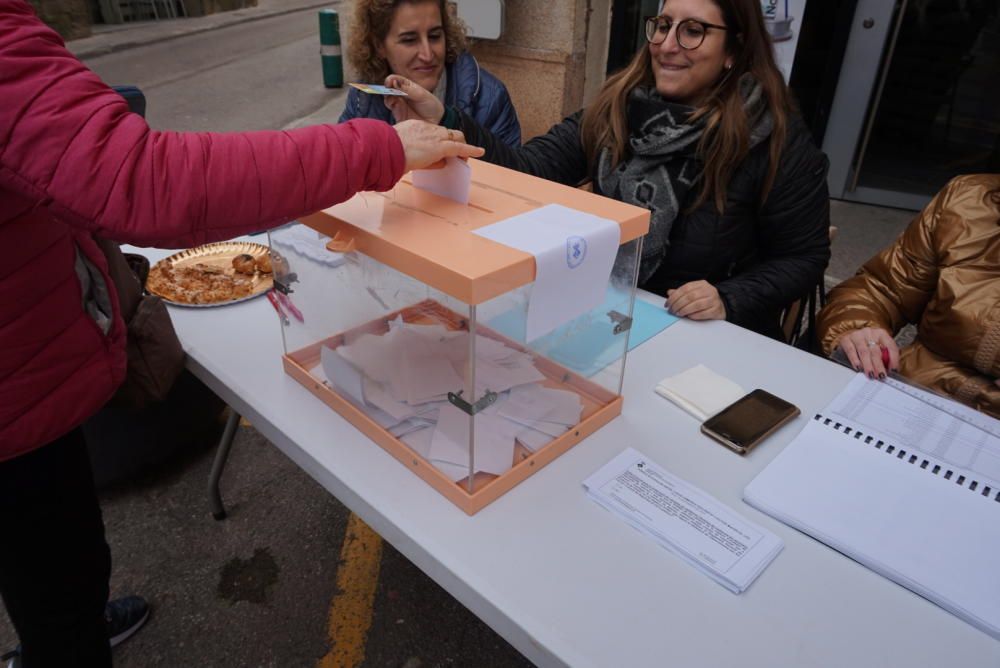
752	418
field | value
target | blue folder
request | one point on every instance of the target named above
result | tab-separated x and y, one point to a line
588	344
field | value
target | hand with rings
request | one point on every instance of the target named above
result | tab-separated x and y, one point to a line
864	347
426	145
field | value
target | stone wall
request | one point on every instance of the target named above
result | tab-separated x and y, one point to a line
551	56
70	18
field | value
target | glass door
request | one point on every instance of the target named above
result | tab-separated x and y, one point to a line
627	19
917	100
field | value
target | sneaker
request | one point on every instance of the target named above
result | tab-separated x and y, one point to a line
13	658
125	616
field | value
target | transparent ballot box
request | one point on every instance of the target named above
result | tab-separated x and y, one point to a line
438	342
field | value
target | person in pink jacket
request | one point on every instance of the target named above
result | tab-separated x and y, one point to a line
74	163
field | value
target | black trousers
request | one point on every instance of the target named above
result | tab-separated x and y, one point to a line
54	561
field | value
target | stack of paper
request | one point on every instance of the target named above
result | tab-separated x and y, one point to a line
699	391
685	520
401	379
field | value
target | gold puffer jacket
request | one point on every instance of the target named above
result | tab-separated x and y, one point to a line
942	274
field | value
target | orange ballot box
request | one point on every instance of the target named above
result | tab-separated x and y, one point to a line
476	340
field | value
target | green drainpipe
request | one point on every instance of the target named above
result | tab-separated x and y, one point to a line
329	50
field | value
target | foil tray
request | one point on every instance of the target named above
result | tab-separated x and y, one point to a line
220	255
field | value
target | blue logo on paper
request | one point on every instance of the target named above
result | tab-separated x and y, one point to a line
576	251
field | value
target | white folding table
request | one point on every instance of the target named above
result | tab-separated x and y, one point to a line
560	578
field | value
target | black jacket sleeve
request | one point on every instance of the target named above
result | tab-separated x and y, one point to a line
793	235
557	155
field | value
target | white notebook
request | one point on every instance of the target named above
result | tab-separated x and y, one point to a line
902	487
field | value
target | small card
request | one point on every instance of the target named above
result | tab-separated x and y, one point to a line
378	89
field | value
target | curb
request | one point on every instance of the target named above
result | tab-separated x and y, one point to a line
137	41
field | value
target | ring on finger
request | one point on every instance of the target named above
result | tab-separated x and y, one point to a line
871	343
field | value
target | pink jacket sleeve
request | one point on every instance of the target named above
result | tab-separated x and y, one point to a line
69	143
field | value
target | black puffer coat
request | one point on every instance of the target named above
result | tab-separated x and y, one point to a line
760	257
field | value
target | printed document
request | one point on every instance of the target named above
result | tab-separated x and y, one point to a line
685	520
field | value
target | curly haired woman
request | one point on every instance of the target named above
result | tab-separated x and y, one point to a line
420	40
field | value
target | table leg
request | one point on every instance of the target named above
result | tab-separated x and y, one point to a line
221	454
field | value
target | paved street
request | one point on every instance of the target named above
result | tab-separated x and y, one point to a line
249	76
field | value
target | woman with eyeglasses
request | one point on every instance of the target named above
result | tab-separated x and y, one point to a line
699	129
420	40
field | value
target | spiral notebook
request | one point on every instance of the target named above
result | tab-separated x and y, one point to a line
901	486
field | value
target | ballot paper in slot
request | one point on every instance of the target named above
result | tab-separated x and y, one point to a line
396	334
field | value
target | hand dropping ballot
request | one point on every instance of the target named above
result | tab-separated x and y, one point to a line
452	181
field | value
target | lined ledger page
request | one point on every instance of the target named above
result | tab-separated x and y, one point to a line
889	414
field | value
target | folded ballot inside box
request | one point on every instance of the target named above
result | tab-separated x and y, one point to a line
394	335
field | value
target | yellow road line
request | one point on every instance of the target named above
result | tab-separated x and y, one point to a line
351	607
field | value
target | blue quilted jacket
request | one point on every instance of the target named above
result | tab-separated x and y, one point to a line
471	89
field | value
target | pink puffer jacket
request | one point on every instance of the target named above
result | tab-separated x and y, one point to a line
74	162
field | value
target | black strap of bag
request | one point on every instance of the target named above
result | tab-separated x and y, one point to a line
155	355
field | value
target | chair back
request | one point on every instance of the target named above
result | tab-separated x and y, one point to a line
798	320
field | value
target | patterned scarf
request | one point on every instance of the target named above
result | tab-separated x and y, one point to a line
662	163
